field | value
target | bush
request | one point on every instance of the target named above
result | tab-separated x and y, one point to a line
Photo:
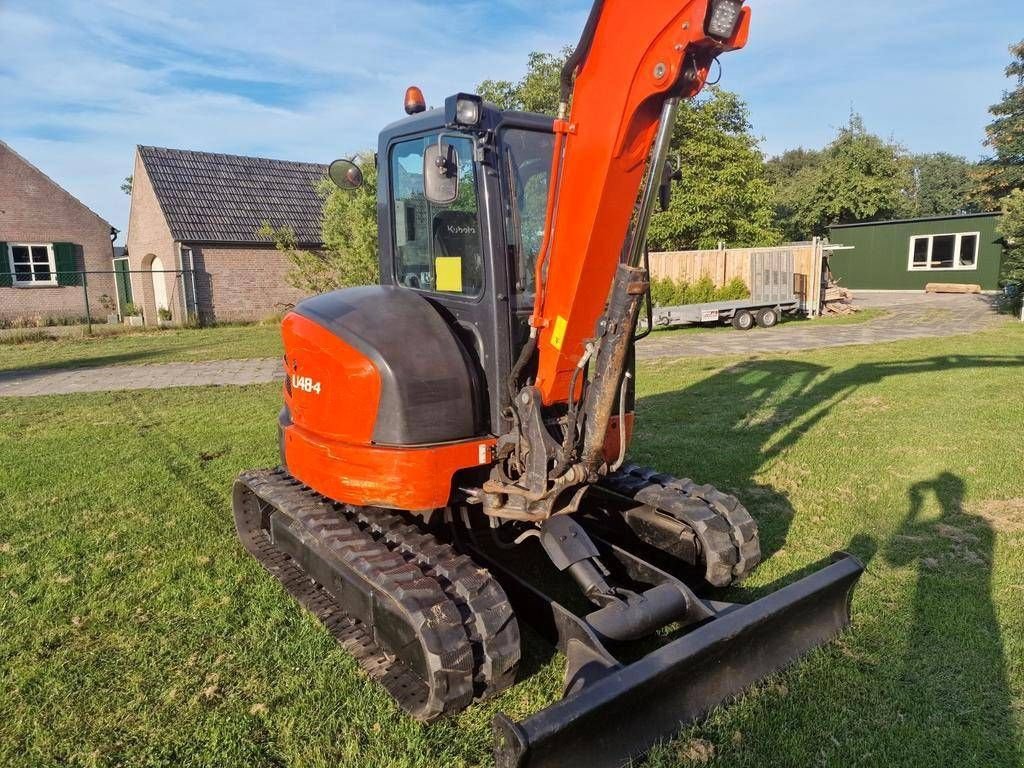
734	290
665	292
42	321
700	292
130	310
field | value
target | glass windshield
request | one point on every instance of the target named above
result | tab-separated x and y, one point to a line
528	155
437	247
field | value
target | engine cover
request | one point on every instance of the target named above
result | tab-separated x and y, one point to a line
420	389
380	401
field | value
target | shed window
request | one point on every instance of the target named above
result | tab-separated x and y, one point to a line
921	251
31	264
953	251
968	250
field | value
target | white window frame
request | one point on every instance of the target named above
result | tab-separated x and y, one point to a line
33	283
957	266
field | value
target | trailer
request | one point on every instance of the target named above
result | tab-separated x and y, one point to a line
775	289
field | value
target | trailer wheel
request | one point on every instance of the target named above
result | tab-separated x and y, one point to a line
767	318
743	320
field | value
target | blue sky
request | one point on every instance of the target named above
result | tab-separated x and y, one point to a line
84	81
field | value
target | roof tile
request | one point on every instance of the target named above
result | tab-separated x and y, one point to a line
210	197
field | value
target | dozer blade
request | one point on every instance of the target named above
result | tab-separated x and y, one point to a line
623	714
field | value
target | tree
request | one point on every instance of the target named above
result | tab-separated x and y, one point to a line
1011	226
724	195
538	91
1003	171
859	177
349	256
790	163
126	185
787	173
942	185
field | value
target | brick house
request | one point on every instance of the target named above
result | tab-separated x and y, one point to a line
47	239
192	232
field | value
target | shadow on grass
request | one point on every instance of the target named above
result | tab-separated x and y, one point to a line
951	691
954	662
727	427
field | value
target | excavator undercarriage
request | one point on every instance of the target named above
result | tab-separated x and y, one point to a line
431	612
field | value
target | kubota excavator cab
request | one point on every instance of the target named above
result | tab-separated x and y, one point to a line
472	259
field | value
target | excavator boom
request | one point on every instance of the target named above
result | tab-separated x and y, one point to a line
630	61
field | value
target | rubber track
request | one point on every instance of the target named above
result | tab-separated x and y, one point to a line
464	623
487	615
727	533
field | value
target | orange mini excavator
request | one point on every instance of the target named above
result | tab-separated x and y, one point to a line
453	440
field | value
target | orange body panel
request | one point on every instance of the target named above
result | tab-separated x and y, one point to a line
344	386
332	394
414	479
635	61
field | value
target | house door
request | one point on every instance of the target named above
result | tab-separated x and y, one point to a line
159	284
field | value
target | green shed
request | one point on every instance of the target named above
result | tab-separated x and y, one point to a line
907	254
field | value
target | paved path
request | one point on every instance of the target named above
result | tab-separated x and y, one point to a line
910	317
112	378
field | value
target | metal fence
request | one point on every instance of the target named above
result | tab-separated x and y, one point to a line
89	296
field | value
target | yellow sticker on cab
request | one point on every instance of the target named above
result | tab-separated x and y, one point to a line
558	332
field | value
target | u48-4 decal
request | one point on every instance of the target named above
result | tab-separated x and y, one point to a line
306	384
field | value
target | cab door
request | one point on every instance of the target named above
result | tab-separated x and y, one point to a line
447	254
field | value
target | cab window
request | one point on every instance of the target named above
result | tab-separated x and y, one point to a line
437	248
528	155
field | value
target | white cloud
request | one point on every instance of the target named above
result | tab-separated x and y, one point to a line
84	81
112	72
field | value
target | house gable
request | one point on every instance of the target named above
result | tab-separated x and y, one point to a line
28	193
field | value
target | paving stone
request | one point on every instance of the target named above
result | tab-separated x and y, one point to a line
127	377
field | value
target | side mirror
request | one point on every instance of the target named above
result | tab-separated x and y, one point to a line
345	174
669	173
441	173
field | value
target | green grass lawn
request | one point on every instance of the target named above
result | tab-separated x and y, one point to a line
226	342
134	631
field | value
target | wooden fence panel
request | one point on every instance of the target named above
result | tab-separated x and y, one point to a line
723	266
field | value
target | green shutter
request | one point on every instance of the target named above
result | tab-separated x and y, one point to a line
124	281
64	258
5	267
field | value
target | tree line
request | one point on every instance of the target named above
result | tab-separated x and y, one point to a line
729	192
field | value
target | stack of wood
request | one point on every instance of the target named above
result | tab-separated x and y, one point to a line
837	300
952	288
